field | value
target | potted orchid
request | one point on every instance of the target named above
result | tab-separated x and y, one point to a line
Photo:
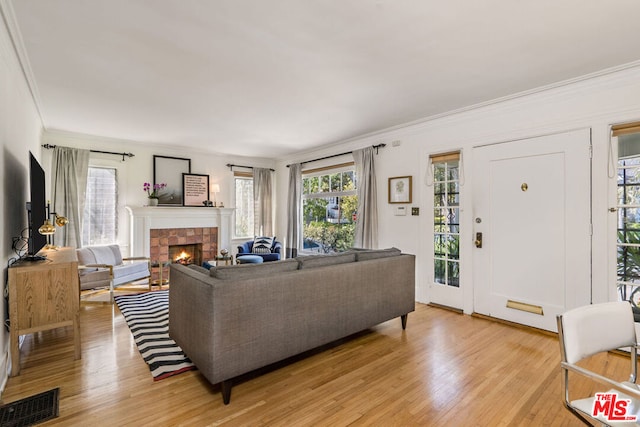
152	192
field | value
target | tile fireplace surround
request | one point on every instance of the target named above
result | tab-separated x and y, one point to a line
167	220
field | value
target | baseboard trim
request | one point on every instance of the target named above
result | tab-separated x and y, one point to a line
446	307
514	324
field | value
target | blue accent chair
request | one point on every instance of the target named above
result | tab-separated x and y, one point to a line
247	249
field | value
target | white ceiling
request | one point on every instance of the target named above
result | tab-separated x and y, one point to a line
269	78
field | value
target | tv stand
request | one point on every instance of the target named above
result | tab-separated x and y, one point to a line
43	295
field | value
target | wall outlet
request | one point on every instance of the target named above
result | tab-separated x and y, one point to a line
415	211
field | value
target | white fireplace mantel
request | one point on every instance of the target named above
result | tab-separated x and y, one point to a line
144	218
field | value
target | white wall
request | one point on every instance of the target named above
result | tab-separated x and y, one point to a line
20	128
133	172
595	102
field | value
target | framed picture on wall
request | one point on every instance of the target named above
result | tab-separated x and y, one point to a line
400	189
195	189
169	170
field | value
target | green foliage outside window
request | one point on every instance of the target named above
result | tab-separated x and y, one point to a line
329	212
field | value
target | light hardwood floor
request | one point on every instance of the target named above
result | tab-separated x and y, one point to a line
446	369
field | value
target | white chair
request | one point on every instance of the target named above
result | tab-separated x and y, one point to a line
592	329
102	266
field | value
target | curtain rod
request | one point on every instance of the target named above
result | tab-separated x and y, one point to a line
49	146
231	166
341	154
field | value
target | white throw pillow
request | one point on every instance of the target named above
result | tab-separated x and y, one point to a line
262	245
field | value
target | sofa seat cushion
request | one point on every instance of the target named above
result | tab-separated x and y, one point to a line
249	271
250	259
313	261
94	278
130	271
367	254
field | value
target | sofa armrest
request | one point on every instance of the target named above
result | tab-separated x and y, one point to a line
245	248
137	258
192	316
277	247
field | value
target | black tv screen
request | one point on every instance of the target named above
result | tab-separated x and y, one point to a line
37	207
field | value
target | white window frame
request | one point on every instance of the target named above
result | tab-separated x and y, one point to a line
121	216
248	177
327	170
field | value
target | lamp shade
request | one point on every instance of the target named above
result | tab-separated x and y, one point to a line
46	228
61	221
215	188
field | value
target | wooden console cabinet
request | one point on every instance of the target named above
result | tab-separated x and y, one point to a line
44	295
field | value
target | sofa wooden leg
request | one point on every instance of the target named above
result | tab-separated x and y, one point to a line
226	391
403	319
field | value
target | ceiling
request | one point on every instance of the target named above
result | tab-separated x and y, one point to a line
269	78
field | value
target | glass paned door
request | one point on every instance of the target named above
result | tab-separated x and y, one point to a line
446	222
628	228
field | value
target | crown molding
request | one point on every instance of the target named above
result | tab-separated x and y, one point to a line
13	30
395	132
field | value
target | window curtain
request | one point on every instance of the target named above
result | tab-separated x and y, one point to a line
366	234
69	171
262	199
294	210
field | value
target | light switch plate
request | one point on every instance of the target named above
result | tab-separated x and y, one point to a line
401	210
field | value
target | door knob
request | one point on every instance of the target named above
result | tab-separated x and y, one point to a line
478	240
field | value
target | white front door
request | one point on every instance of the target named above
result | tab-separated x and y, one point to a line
532	223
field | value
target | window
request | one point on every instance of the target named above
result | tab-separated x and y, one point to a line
100	217
329	203
244	204
446	219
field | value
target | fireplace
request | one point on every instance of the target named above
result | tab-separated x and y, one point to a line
186	254
153	229
167	244
164	238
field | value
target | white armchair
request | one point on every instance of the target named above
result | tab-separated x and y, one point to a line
586	331
103	266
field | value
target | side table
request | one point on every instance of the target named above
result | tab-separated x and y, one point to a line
228	259
160	265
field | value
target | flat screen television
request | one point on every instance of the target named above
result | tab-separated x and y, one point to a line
36	209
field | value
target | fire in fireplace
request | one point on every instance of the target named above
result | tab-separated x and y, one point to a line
186	254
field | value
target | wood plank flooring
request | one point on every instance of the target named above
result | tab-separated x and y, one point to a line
445	369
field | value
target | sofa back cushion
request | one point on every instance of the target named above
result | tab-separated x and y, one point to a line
313	261
249	271
367	254
99	255
85	256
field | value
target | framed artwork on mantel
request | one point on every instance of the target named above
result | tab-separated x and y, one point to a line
169	170
400	189
195	189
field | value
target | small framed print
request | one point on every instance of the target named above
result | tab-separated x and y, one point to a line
195	189
400	189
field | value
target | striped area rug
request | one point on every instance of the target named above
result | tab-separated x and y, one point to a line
147	315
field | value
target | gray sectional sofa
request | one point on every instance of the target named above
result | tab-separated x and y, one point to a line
231	320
